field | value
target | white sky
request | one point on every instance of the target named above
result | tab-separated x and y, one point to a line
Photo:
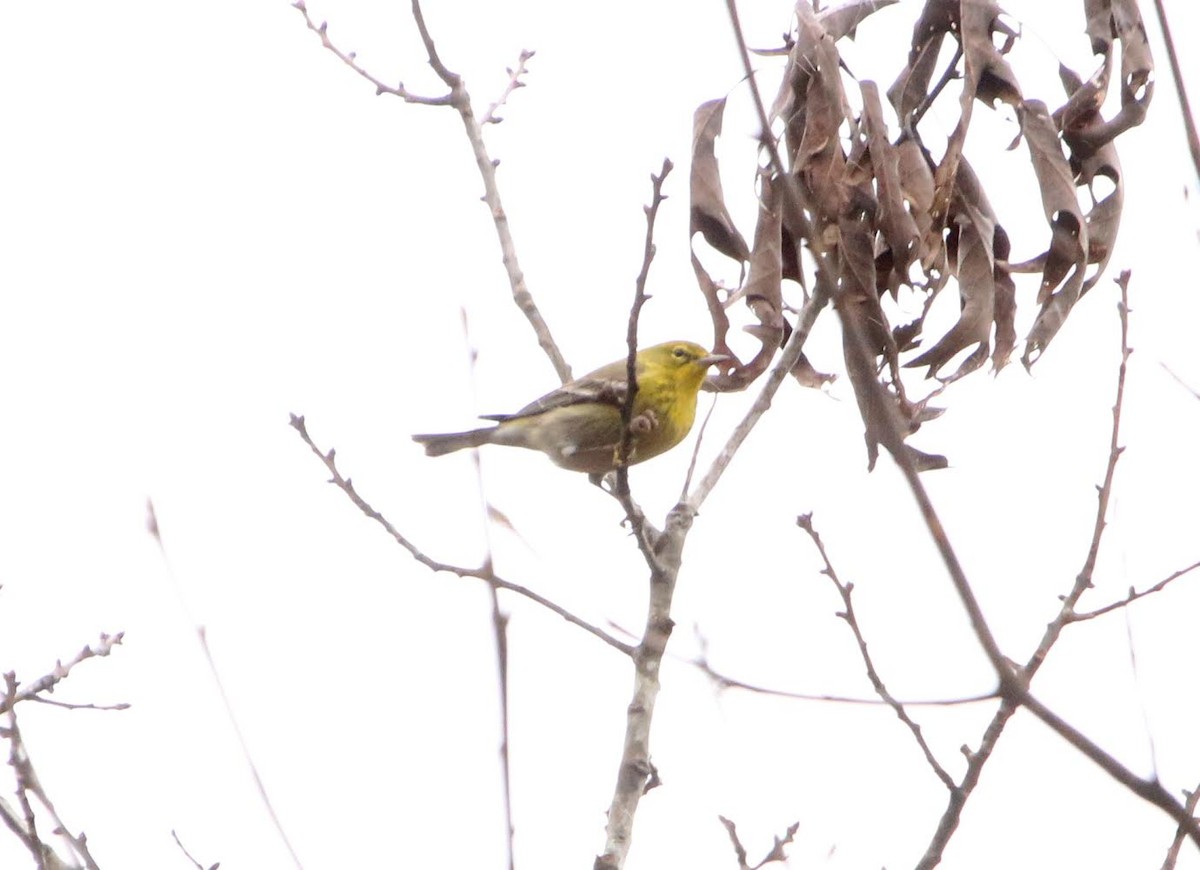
209	222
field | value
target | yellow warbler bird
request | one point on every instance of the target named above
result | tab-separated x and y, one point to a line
579	425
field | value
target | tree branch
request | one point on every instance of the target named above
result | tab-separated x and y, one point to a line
485	573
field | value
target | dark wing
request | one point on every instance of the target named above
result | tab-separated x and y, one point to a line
605	386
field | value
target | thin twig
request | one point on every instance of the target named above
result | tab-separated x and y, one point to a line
1133	596
27	824
188	854
485	573
950	73
776	854
1180	833
514	82
351	60
1195	393
1189	121
201	635
499	623
845	590
645	533
459	98
787	361
724	681
31	691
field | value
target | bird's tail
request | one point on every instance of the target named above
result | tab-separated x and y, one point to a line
438	445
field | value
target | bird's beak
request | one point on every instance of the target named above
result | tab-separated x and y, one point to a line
713	359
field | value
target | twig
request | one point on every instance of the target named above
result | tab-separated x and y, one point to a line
201	635
514	82
776	854
787	361
1083	581
1181	832
31	691
351	60
26	826
645	533
845	590
1133	596
459	98
29	783
1189	121
188	854
38	699
724	681
485	573
499	625
948	75
1195	393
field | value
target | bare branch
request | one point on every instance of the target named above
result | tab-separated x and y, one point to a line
485	573
1014	685
636	774
202	636
514	82
1181	832
1195	393
724	681
1133	596
645	533
776	854
460	100
30	691
845	590
1189	120
787	362
188	855
351	60
499	629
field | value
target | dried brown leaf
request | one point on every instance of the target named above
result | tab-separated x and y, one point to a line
911	87
763	292
1066	257
716	309
897	226
710	216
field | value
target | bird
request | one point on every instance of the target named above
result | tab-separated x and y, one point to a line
578	426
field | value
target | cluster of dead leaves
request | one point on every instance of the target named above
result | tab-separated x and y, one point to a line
880	212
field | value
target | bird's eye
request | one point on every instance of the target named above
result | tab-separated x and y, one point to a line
680	353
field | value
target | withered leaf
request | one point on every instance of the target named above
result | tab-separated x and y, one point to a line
763	292
1066	257
895	223
709	215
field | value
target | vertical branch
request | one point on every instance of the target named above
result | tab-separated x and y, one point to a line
882	418
1189	121
26	827
663	552
202	636
631	333
637	774
846	590
460	99
644	532
499	620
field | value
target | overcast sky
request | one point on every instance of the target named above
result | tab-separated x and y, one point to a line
209	222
